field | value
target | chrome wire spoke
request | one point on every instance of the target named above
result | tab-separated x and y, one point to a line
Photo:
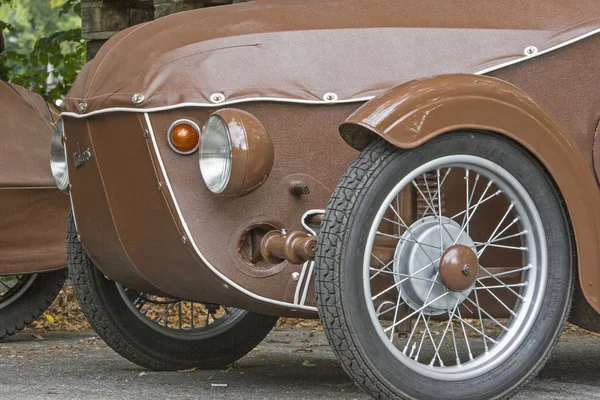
401	274
499	246
491	196
5	285
512	271
451	316
462	324
412	235
431	206
420	310
401	239
501	239
468	221
498	280
397	309
438	191
510	310
403	280
500	286
481	310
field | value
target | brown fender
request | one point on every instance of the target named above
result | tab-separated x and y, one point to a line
418	111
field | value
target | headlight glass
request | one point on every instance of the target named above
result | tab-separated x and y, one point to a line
215	154
58	160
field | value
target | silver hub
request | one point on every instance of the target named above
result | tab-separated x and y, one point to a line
418	248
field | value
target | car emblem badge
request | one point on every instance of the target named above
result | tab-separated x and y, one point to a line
79	157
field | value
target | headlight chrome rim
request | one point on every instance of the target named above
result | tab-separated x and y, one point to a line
212	152
58	157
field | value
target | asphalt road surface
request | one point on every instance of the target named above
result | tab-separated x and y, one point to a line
292	363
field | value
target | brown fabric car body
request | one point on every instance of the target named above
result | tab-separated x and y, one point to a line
301	68
33	210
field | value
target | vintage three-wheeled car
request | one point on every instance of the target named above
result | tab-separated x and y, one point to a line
454	215
32	209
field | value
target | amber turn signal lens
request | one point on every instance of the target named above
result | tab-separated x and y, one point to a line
184	137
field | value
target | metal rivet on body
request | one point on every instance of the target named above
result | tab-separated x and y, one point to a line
159	186
138	98
79	238
330	97
295	276
145	133
217	97
83	105
531	51
184	239
226	286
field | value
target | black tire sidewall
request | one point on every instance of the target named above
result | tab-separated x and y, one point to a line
127	334
32	303
532	353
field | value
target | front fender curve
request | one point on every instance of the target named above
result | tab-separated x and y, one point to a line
418	111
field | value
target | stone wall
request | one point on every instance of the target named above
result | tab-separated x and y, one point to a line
103	18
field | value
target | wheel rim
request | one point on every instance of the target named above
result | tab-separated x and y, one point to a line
462	347
12	287
180	319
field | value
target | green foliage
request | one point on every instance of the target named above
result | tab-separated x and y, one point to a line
45	50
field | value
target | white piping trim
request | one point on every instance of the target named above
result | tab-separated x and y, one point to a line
318	102
29	188
308	280
210	105
299	284
539	53
193	242
73	212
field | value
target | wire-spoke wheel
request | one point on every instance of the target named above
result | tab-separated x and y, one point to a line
24	297
444	271
180	319
161	333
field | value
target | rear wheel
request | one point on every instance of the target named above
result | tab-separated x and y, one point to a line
161	333
23	298
444	271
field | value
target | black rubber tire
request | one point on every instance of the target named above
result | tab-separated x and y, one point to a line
31	304
340	295
125	333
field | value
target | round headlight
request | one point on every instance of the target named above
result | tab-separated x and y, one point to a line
236	155
215	154
58	157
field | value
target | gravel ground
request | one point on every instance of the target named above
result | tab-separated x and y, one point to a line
292	363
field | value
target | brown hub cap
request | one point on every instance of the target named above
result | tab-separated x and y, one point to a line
458	268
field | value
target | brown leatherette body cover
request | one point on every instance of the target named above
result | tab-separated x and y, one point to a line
186	245
34	213
303	49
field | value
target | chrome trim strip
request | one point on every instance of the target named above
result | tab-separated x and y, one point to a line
299	283
28	188
310	264
309	277
193	241
320	102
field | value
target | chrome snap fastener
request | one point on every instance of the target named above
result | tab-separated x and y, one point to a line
330	96
531	51
217	98
138	98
